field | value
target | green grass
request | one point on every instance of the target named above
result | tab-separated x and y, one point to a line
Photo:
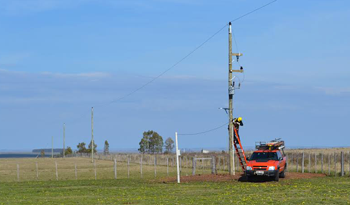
85	169
327	190
150	189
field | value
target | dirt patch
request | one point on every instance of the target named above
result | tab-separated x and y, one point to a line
238	177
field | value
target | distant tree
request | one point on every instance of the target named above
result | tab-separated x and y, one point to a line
95	146
144	143
155	143
42	153
169	145
106	148
151	142
68	151
81	147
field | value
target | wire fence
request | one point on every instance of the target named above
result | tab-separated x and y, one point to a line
337	163
119	166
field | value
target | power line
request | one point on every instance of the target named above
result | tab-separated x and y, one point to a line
198	133
171	67
189	54
237	61
246	14
182	59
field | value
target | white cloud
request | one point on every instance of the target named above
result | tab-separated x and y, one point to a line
334	91
83	75
61	75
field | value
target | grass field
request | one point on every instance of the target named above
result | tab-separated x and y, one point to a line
326	190
85	169
151	189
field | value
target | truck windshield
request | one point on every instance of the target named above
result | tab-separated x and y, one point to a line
264	156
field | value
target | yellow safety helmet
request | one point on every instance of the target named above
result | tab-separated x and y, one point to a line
239	119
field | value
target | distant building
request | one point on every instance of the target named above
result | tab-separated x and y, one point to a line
204	151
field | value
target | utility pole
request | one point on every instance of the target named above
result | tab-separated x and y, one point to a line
52	147
177	159
92	134
231	92
64	140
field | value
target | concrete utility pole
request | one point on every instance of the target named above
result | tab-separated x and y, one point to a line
92	134
64	140
231	92
177	159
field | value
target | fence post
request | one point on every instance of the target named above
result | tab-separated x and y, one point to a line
17	172
349	161
56	171
315	163
223	164
297	163
342	164
180	162
115	168
186	162
202	165
167	166
335	164
155	166
292	160
75	171
322	163
216	164
95	169
302	163
37	170
128	159
329	164
228	163
193	165
213	165
309	163
141	165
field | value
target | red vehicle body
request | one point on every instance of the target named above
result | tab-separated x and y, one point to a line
269	160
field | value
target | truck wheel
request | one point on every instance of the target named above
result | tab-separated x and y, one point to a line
249	178
282	174
276	177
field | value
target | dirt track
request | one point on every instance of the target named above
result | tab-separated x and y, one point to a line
239	177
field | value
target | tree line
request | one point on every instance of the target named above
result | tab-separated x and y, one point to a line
82	149
152	143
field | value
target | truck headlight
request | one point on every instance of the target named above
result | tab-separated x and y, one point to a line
272	168
249	168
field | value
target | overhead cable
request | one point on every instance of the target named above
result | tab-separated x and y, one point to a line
198	133
190	53
182	59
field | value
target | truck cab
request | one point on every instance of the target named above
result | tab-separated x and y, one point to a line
268	160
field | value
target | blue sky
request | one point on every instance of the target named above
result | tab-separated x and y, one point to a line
58	58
